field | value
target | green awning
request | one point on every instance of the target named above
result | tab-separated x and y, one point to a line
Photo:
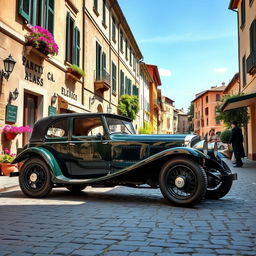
238	102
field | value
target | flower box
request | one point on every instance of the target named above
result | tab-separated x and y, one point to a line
31	49
8	168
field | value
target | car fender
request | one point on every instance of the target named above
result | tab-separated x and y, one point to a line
43	153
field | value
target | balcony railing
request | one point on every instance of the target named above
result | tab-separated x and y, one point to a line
101	80
251	63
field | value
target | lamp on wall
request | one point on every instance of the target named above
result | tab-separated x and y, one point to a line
13	95
9	64
54	98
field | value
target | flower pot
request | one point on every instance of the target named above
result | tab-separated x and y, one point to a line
8	168
10	135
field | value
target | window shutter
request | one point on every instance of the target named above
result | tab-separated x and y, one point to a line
113	77
50	15
77	46
122	83
104	64
25	9
253	36
98	61
67	36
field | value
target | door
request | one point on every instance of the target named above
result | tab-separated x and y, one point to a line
30	113
89	150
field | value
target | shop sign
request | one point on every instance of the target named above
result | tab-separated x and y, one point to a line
33	72
11	113
51	111
68	93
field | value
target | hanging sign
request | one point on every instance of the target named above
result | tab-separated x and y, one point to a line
11	113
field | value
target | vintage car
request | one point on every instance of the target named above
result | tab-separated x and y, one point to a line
102	150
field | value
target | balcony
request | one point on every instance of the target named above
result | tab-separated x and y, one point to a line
101	81
251	63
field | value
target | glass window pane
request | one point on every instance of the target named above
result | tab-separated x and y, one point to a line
88	126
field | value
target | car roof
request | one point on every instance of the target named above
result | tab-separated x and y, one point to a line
42	124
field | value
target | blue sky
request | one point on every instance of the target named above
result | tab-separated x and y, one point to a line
193	43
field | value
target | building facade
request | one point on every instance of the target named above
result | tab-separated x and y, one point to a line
167	116
94	35
246	25
205	111
183	123
155	107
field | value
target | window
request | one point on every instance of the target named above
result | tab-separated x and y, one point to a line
72	41
134	63
95	5
217	97
253	36
206	111
104	12
121	41
244	71
121	83
243	13
128	86
126	49
207	122
113	77
38	12
119	126
130	56
88	126
58	129
101	60
206	99
114	29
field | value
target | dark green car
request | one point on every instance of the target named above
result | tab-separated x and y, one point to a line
102	150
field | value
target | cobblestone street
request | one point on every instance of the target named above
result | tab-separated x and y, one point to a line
126	221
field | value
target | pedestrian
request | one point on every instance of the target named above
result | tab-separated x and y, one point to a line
236	139
212	136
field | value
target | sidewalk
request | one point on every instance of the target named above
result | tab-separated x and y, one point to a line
11	182
8	182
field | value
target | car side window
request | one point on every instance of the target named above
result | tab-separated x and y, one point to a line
58	129
88	126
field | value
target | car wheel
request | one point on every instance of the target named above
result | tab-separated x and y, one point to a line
35	178
76	188
217	189
183	181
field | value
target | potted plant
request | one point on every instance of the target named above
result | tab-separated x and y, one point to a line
42	40
76	71
11	131
5	162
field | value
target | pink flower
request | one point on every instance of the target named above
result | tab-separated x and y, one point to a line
7	151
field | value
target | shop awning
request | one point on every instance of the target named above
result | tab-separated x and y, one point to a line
70	104
238	102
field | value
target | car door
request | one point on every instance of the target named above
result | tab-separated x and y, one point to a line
88	148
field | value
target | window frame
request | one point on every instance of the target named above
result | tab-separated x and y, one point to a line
243	14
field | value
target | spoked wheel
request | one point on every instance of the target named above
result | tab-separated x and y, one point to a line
75	189
35	178
183	181
217	187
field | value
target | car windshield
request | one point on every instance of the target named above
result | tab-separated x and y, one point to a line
119	126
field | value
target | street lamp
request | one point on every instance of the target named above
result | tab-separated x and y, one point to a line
9	64
54	98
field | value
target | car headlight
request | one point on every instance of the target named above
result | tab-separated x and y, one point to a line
202	146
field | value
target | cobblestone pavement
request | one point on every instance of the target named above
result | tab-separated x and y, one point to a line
126	221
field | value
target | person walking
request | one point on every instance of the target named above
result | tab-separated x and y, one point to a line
236	139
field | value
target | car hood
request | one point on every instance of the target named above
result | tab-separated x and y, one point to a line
150	137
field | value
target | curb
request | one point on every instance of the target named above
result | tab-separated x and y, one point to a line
3	189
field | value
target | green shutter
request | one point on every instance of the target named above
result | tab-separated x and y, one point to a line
50	15
98	61
25	9
104	12
129	87
67	36
77	46
95	4
253	36
122	91
113	77
126	85
104	65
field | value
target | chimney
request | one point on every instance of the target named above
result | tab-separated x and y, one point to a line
223	83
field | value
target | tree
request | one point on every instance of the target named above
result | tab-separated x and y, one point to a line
146	129
191	117
239	114
129	106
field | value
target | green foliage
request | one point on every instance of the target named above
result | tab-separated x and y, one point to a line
146	129
78	70
225	136
191	112
128	106
6	158
239	114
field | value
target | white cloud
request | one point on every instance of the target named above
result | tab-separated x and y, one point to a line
164	72
188	37
220	70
